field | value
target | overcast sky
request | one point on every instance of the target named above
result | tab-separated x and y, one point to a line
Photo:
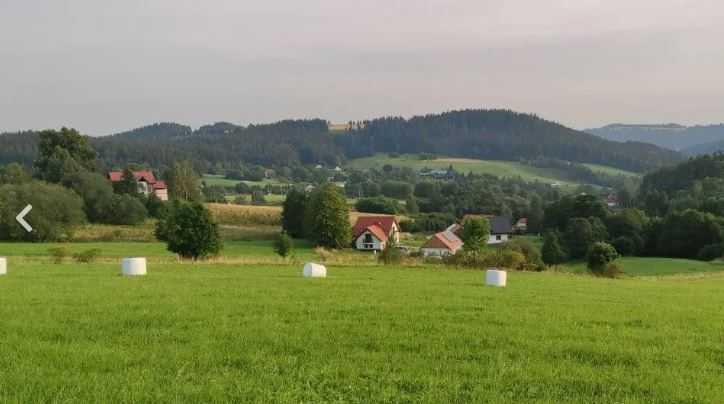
106	66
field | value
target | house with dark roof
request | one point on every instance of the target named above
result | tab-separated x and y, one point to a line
372	233
442	244
146	182
500	229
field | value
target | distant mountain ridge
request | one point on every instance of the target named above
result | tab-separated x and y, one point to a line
671	136
479	134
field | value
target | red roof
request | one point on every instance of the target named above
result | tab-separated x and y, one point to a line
145	175
446	240
376	231
159	185
385	223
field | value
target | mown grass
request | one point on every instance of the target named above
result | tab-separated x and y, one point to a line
229	333
654	266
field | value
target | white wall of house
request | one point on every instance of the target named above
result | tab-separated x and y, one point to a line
498	238
369	243
161	194
435	252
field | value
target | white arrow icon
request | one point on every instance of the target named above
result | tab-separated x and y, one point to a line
21	218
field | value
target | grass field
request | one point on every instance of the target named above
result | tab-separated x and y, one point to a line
644	266
506	169
211	180
231	333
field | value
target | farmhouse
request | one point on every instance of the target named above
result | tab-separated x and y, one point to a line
441	245
371	233
521	226
500	229
146	181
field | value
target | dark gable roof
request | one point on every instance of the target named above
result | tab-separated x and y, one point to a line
500	225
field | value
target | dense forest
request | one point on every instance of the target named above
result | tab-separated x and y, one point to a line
481	134
498	135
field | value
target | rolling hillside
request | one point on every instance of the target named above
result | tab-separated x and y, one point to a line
503	169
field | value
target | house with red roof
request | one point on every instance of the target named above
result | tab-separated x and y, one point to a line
372	233
146	181
442	244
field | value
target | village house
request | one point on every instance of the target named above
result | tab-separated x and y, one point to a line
442	244
500	229
372	233
146	182
521	226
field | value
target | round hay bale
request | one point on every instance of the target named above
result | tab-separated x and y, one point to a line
133	266
496	277
312	270
3	266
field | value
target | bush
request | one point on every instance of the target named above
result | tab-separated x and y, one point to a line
711	252
327	218
391	255
488	258
283	244
57	211
125	210
378	205
533	260
552	252
625	246
87	256
189	230
396	189
59	254
600	255
408	226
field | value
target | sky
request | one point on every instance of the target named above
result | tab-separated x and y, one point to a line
106	66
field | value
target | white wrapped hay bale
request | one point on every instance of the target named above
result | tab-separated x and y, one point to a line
3	266
312	270
133	266
496	277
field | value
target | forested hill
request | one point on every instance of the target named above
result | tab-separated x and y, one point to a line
499	135
480	134
671	136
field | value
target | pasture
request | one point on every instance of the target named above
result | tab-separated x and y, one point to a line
216	332
506	169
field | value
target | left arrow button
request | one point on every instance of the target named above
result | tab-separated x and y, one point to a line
21	218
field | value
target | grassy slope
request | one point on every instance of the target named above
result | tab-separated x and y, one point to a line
644	266
204	333
497	168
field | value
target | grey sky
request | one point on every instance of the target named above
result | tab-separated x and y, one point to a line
105	66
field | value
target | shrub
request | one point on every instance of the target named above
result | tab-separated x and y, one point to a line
189	230
125	209
475	233
552	252
87	256
408	226
625	246
378	205
57	211
710	252
600	255
283	244
391	255
327	218
59	254
533	260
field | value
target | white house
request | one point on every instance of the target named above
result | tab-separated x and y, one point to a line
372	233
146	182
500	229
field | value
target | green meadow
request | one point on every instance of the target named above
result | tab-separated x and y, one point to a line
507	169
262	333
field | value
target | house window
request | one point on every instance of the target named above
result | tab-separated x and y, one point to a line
368	238
498	238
